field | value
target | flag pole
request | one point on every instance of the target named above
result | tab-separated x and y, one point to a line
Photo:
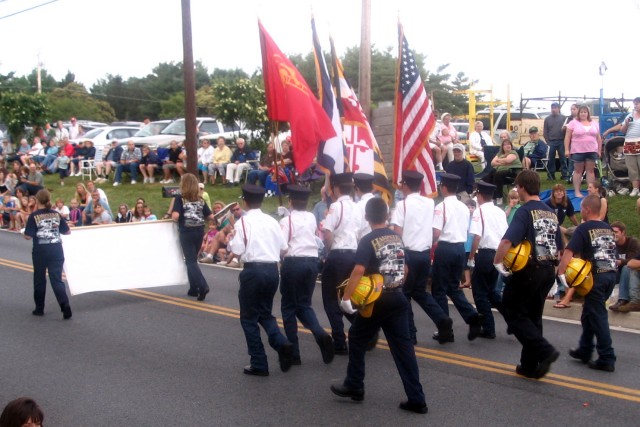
277	144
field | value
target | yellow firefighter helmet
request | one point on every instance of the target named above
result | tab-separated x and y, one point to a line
366	293
578	275
518	256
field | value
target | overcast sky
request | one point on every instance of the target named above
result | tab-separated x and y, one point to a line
539	49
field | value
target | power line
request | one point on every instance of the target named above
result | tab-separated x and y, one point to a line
27	10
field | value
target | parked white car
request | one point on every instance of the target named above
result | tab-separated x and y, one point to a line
208	127
102	136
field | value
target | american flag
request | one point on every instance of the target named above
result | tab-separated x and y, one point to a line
414	121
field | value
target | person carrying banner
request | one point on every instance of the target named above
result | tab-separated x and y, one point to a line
259	241
44	226
381	252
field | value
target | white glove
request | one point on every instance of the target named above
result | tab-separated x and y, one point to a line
471	263
500	267
563	280
345	305
282	211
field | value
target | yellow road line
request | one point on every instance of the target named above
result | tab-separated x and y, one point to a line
595	387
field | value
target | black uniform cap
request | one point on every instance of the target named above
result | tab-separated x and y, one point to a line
449	179
298	192
342	178
412	177
485	188
363	178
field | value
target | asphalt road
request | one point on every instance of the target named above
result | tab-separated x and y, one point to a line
156	357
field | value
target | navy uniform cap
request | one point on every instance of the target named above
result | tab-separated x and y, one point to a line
485	188
412	177
362	178
449	179
342	178
298	192
252	193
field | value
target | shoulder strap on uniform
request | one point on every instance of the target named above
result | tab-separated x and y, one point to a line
244	232
340	220
481	220
290	229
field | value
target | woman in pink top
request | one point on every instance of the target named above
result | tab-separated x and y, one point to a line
583	138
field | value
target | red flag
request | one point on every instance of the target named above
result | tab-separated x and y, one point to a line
414	121
289	99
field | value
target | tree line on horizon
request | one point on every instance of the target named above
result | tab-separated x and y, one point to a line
231	95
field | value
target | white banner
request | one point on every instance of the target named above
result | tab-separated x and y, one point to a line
123	256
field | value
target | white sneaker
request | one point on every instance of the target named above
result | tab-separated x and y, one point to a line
152	180
115	184
134	182
623	191
634	192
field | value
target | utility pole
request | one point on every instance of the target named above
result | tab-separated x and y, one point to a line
39	74
191	137
364	86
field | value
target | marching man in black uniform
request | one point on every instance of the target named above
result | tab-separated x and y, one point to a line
381	252
258	239
340	229
525	292
488	225
299	273
450	225
44	226
594	241
413	220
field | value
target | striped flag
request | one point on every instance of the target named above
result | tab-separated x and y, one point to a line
363	152
414	121
332	154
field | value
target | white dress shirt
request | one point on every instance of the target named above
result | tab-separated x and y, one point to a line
490	223
362	204
414	215
299	231
264	238
343	220
451	217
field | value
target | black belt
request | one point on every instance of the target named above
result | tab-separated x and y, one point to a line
486	249
301	258
343	251
260	264
395	289
418	252
450	243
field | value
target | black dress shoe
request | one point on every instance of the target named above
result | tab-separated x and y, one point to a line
475	327
296	361
341	350
545	364
443	338
250	370
203	294
285	356
488	335
529	373
66	312
418	408
37	312
344	391
326	348
575	354
599	366
192	293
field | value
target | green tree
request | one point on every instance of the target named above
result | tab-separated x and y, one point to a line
21	109
173	106
74	100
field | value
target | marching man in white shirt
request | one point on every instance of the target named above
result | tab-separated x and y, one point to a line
258	239
450	225
488	225
298	274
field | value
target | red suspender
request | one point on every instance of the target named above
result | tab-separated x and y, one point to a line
290	228
244	233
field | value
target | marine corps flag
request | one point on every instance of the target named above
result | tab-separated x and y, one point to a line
289	99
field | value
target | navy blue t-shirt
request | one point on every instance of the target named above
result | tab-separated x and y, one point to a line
44	226
561	211
536	222
594	241
192	214
382	251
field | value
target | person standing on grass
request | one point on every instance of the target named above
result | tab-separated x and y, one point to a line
44	227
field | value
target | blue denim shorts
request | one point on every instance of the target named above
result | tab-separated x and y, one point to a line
583	157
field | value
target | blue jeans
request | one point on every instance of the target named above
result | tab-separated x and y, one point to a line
48	258
190	241
132	168
297	282
557	146
485	294
256	175
390	313
258	286
595	320
448	266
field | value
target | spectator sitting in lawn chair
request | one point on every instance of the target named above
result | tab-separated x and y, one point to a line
129	162
170	163
149	164
110	159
